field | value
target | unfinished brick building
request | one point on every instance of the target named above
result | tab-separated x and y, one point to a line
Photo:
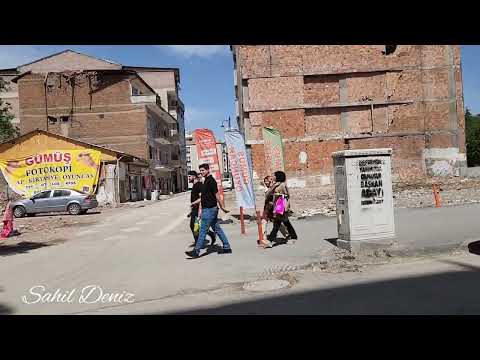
329	98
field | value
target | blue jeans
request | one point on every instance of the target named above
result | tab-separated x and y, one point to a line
209	219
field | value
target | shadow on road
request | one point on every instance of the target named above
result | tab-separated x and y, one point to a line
210	250
332	241
4	309
449	293
474	247
20	248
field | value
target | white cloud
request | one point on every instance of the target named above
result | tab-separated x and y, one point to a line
12	56
204	51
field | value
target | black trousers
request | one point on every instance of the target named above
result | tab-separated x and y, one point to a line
276	227
193	216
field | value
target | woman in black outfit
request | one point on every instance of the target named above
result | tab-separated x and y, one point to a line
277	190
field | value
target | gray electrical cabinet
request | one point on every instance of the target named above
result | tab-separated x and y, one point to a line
363	189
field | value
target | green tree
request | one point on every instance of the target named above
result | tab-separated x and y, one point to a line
7	129
472	134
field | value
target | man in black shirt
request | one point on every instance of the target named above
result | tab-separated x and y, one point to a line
209	197
194	196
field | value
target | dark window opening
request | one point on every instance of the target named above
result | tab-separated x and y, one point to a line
389	49
136	92
150	152
59	193
101	116
64	119
52	120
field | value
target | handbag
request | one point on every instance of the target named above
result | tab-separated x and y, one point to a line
280	205
196	225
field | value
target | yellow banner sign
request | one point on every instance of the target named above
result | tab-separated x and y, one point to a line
55	169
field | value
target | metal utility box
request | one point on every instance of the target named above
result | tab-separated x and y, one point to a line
363	188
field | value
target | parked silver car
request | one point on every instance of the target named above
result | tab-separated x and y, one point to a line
58	200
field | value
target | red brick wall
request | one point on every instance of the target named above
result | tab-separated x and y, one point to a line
321	90
274	93
111	114
322	121
309	82
407	157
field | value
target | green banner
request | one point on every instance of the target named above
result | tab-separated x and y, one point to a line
273	147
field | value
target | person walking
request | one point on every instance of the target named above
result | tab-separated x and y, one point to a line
195	212
267	215
279	189
209	198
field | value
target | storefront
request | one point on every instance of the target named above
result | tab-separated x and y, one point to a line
119	174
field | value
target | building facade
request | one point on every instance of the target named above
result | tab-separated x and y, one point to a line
330	98
130	109
118	170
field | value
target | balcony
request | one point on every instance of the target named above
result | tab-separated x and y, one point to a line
138	99
160	165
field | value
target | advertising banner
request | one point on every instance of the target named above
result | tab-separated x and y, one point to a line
273	148
207	154
240	167
54	169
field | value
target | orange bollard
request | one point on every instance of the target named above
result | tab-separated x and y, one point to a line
242	221
436	195
260	230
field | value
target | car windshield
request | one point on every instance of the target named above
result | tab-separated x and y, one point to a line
42	195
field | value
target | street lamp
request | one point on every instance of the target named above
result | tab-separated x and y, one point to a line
229	123
227	160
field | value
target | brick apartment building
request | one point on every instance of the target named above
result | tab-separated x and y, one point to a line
329	98
135	110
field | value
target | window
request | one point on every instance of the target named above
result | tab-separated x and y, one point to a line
52	120
389	49
175	154
64	119
150	152
135	91
58	193
164	132
42	195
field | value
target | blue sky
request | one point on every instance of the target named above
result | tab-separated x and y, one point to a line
471	77
206	74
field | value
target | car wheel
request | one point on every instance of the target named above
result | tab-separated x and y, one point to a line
74	209
19	211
